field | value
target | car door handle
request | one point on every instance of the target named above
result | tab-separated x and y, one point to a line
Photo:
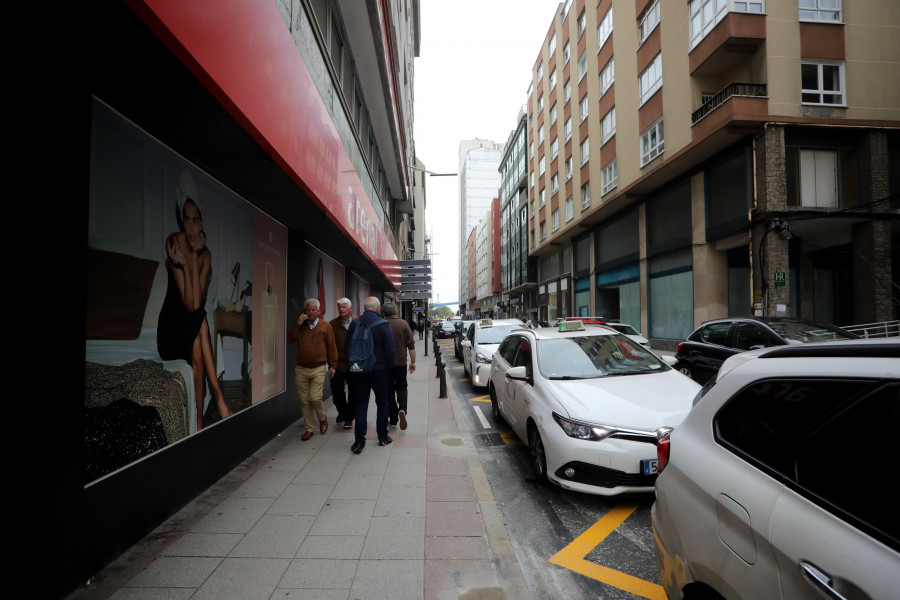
820	581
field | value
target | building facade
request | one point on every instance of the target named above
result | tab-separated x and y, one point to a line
709	158
261	155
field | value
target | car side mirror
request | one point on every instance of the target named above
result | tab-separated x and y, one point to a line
669	359
518	373
466	344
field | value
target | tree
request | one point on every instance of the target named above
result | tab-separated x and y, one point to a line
442	312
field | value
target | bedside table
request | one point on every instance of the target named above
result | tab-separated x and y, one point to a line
235	324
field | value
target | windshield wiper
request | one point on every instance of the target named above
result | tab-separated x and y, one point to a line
571	377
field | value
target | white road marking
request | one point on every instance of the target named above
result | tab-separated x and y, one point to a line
481	417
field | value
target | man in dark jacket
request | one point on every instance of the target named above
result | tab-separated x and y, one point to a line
339	325
375	381
397	384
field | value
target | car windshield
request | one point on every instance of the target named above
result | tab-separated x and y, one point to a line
446	325
494	334
623	328
800	332
591	356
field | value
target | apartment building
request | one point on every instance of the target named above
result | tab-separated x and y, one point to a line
694	160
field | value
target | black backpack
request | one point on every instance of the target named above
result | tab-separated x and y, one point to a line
360	348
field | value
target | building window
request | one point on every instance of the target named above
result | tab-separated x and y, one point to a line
648	21
541	103
651	79
652	142
554	183
609	177
542	165
586	195
551	47
554	148
552	79
543	230
540	73
608	126
813	178
582	23
567	90
568	129
566	54
822	83
585	150
582	65
532	238
531	175
569	168
604	30
584	107
543	197
532	209
704	15
555	219
553	114
820	10
607	76
541	134
570	209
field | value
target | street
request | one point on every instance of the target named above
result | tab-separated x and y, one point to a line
570	545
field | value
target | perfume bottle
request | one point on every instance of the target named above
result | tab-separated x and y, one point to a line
270	302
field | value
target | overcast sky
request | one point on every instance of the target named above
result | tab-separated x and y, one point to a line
471	79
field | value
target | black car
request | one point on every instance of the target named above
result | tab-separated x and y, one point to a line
444	329
704	351
461	328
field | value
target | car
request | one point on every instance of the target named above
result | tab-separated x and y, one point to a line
461	328
482	339
702	353
623	328
589	403
769	487
444	329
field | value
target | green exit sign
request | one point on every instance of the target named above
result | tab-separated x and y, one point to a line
780	278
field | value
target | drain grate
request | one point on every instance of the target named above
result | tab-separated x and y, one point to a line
489	439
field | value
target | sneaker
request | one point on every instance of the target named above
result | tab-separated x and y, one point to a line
339	420
348	424
357	447
403	419
385	441
392	425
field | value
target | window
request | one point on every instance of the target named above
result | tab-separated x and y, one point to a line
648	21
568	129
607	76
551	47
570	209
569	168
554	183
553	114
566	54
540	73
541	134
585	150
554	148
584	107
822	83
586	195
813	178
609	177
651	79
652	142
582	65
582	23
532	238
543	230
555	219
532	178
608	126
552	79
541	103
567	90
604	30
543	197
542	165
704	15
820	10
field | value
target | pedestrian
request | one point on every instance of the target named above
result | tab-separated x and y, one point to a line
343	401
316	356
397	385
371	381
421	328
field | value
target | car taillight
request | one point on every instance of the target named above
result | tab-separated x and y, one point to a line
678	347
662	453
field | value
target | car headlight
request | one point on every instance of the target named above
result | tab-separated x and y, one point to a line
483	358
583	431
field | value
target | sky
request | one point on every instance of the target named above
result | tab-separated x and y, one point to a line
471	80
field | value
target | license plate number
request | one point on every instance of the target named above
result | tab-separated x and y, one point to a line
649	467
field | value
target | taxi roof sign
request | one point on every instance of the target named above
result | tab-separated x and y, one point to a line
571	326
485	323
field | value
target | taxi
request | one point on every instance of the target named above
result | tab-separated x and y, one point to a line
479	344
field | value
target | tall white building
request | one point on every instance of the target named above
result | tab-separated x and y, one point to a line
479	181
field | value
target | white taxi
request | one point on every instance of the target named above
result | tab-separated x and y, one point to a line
590	404
478	347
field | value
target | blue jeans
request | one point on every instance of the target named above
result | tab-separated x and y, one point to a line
363	384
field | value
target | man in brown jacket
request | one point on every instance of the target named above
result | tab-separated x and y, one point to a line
397	385
340	383
315	348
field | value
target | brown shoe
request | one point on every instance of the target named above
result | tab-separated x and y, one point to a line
402	419
323	426
306	436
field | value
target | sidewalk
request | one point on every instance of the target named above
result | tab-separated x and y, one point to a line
415	519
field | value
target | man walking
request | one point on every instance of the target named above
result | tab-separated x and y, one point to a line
374	380
397	386
315	348
339	383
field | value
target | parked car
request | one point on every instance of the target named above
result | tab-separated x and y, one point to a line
589	403
445	329
461	328
702	353
623	328
482	339
766	488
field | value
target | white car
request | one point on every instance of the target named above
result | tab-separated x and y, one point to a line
770	486
589	403
634	334
478	347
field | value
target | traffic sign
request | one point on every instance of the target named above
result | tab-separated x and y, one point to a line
415	295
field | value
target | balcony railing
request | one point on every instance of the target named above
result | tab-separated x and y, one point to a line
746	90
873	330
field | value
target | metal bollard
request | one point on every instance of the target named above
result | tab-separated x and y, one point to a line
442	373
437	357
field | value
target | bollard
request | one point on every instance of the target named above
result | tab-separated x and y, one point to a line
437	357
442	373
426	341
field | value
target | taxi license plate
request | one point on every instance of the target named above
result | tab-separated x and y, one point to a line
648	467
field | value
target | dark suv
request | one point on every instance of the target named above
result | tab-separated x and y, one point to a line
702	353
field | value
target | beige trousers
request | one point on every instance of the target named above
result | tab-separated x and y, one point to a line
309	387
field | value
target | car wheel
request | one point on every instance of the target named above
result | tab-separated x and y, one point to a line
538	458
495	407
686	370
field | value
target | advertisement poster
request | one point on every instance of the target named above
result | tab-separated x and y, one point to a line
269	268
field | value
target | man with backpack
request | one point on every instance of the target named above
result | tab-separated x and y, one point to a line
370	354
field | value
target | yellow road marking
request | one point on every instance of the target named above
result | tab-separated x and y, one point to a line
572	557
511	438
485	398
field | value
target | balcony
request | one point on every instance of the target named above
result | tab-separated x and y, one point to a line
736	104
741	90
728	43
